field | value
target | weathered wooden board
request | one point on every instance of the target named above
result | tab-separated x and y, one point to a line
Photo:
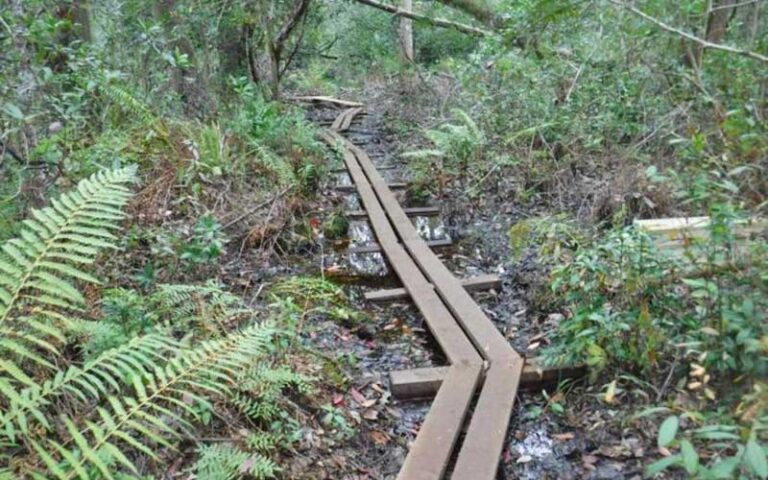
481	282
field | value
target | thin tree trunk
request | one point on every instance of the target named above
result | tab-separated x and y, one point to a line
406	33
753	24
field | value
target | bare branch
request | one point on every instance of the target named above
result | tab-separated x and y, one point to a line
691	37
437	22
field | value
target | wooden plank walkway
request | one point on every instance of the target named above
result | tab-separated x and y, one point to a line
481	360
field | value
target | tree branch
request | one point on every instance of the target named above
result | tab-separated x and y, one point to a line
292	22
691	37
437	22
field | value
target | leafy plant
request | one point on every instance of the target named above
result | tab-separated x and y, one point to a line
733	456
206	244
225	462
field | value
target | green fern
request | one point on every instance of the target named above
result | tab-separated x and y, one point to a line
262	386
38	271
225	462
91	382
162	398
128	103
72	231
197	304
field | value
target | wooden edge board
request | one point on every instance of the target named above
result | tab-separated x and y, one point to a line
480	282
375	248
411	212
351	188
424	382
381	167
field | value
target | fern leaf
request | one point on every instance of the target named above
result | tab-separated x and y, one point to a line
29	264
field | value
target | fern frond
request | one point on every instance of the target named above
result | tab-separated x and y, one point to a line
149	414
128	103
32	262
225	462
89	382
197	303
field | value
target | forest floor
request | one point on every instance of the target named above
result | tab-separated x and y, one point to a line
571	433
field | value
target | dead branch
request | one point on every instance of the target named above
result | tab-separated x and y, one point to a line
689	36
437	22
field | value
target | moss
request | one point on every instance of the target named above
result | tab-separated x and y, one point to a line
336	226
519	235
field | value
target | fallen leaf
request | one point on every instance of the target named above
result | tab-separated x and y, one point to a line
357	396
379	438
588	461
368	403
337	399
610	393
377	387
563	436
371	414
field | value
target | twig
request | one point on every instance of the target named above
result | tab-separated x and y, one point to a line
257	207
691	37
660	392
737	5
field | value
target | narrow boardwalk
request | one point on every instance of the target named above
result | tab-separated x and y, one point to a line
482	365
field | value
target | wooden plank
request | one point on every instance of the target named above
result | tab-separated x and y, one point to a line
425	382
351	188
325	99
375	248
348	120
480	451
481	282
380	168
411	212
439	432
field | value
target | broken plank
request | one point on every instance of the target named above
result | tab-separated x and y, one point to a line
481	282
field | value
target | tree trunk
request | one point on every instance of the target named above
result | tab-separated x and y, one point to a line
717	22
406	33
753	24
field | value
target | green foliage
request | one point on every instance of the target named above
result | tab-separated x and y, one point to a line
335	226
299	297
626	301
735	455
206	243
225	462
555	237
98	417
41	266
617	311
